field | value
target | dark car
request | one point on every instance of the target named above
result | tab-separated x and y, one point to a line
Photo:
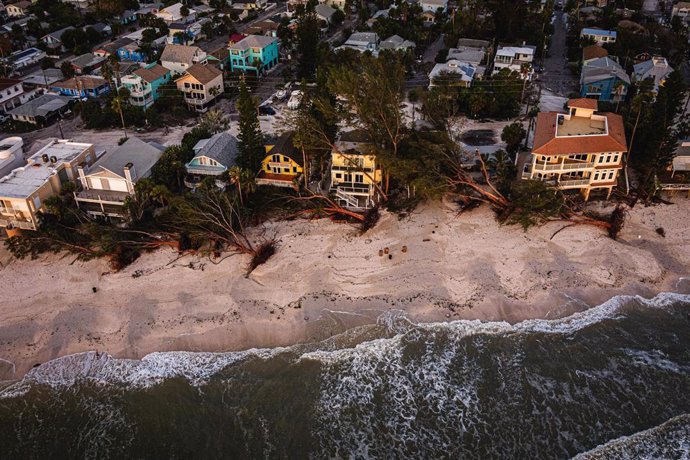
266	110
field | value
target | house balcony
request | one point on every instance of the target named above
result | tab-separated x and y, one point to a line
352	168
566	165
17	223
569	183
206	170
278	180
354	188
110	197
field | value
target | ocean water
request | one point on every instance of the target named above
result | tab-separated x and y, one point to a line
609	383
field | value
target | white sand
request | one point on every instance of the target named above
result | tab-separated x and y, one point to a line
325	278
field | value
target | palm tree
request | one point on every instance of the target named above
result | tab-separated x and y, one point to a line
618	91
525	70
117	104
243	180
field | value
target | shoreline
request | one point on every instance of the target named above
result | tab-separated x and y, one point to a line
324	279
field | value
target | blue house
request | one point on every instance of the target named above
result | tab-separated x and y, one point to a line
130	52
128	17
604	79
85	86
257	53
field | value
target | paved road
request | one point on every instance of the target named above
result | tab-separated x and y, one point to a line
433	49
557	78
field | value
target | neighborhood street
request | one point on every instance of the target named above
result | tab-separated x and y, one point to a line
557	77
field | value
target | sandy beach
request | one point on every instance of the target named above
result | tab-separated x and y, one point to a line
325	278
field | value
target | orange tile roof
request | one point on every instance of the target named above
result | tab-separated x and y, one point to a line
593	52
584	103
546	142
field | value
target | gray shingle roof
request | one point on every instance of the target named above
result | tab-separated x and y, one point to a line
41	106
601	69
179	53
141	154
221	147
253	41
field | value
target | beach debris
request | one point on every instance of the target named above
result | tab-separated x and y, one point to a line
404	249
661	231
390	256
426	239
386	250
380	252
94	289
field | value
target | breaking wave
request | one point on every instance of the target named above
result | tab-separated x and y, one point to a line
534	389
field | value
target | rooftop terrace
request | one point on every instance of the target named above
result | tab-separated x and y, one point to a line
580	126
24	181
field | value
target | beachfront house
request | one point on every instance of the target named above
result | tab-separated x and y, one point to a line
24	191
11	154
581	149
110	181
599	36
604	79
256	53
143	84
657	68
201	85
514	58
355	174
212	157
681	159
283	164
178	58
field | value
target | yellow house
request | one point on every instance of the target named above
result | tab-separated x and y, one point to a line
355	175
23	192
283	164
201	86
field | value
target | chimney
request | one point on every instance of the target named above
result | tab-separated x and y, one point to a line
130	175
82	176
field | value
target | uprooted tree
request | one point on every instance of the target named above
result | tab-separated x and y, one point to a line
525	202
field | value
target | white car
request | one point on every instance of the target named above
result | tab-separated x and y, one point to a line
295	100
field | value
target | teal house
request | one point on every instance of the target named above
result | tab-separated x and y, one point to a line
256	53
144	84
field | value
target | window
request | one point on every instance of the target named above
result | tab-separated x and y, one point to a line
601	159
611	173
286	170
338	176
268	167
294	169
596	176
275	158
608	158
615	158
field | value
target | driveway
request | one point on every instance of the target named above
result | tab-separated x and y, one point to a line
557	78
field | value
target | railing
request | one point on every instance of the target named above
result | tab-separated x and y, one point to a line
10	211
562	166
362	190
572	183
349	200
102	196
277	183
23	224
352	168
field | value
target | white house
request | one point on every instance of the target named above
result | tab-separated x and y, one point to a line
657	68
433	5
179	58
513	57
362	41
18	9
11	154
682	10
600	36
455	72
111	179
12	94
173	13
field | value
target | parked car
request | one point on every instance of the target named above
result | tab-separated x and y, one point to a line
266	110
284	92
295	100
